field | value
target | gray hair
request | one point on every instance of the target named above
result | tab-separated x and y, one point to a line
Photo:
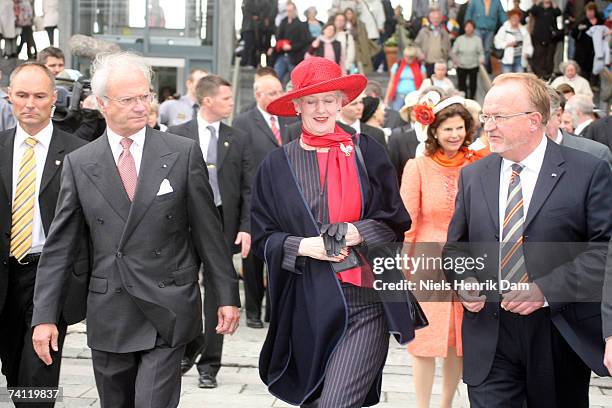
579	103
564	64
106	63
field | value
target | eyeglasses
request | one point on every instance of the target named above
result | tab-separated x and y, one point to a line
499	118
131	100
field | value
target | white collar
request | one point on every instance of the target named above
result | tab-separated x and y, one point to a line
204	124
138	138
265	114
583	125
43	136
559	138
534	161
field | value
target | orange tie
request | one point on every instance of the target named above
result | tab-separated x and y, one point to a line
275	130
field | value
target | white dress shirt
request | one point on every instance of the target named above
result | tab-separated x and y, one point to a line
355	125
582	126
267	117
40	152
559	138
204	134
529	175
136	147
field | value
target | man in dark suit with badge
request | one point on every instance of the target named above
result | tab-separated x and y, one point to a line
149	214
31	157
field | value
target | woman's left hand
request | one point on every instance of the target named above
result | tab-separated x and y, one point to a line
353	237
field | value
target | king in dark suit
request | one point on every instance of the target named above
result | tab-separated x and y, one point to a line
149	213
230	169
26	224
546	210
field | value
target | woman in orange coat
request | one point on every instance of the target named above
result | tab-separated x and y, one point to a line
428	189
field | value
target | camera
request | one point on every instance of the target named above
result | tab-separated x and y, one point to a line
70	94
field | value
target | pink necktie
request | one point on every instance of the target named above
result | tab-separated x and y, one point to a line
275	130
127	168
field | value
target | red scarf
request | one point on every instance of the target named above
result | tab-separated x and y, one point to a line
415	67
339	163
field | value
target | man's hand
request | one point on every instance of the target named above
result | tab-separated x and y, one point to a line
244	240
227	319
353	237
314	247
316	43
472	300
523	302
608	355
41	337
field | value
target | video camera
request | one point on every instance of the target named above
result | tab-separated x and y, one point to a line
70	94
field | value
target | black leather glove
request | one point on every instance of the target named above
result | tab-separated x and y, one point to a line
334	237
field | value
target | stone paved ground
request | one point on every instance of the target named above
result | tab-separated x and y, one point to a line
239	383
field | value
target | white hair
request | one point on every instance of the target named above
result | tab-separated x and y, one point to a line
579	103
107	63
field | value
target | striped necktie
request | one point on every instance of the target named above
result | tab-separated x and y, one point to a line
512	264
23	205
275	130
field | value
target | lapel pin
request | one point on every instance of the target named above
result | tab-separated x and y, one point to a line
554	175
226	144
164	165
57	162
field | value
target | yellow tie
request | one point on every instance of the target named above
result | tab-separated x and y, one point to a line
23	206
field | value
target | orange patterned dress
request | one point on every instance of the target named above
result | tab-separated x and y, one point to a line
428	190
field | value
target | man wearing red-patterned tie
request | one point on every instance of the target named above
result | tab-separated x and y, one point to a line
265	132
143	200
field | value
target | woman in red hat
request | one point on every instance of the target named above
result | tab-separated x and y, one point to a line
322	208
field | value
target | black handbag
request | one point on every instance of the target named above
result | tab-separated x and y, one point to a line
498	53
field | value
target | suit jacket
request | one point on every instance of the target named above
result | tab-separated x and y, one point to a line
600	131
402	147
259	134
606	304
393	119
571	203
295	130
234	171
146	254
62	143
589	146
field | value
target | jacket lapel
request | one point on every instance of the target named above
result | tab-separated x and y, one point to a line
261	123
55	156
550	174
103	173
490	188
193	131
157	161
224	143
6	163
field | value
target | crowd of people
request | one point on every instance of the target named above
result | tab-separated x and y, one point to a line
460	35
121	221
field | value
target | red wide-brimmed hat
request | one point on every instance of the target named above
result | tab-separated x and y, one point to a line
316	75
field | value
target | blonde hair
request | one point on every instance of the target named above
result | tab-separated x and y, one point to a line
536	89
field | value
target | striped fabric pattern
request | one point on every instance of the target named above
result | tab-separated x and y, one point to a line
23	205
357	360
512	260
